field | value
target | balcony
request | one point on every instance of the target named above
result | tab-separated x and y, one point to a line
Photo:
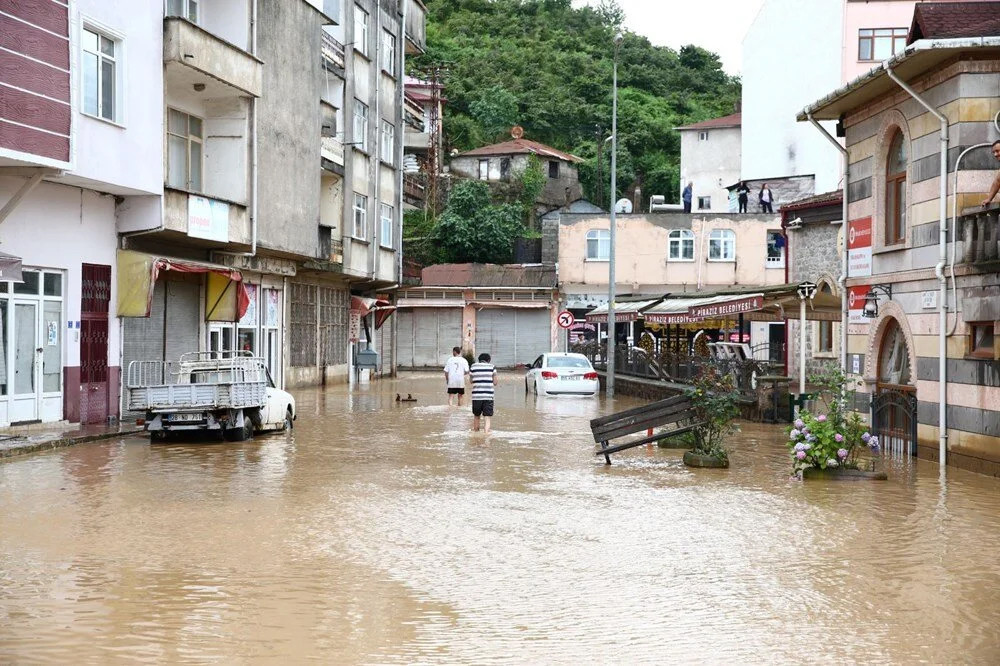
414	190
416	27
416	141
979	230
196	58
333	150
204	221
332	51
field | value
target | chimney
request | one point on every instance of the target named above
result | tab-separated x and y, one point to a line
637	200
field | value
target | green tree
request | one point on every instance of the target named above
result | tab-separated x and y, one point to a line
474	229
495	111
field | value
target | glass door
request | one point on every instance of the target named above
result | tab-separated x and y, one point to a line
26	368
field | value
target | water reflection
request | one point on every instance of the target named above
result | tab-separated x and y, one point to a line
384	532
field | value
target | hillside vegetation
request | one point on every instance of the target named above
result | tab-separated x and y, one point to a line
547	66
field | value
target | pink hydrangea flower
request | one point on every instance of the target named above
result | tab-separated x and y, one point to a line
838	437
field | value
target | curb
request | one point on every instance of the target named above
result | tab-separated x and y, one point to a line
64	442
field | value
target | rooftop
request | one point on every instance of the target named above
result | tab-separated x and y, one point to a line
815	201
947	20
732	120
490	275
521	147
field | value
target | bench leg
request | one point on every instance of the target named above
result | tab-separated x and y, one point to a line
607	458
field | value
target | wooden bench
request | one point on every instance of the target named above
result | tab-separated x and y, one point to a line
677	412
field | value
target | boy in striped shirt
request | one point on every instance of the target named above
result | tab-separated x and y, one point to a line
484	381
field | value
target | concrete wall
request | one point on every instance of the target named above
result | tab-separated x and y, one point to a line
968	93
791	57
867	15
227	19
642	249
711	164
289	127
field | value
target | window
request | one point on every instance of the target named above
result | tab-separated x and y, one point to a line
484	169
184	143
246	330
703	136
360	30
360	217
184	8
553	169
895	191
360	138
100	75
385	213
681	245
704	203
775	250
824	329
722	245
328	114
504	168
881	43
982	340
598	245
388	142
389	52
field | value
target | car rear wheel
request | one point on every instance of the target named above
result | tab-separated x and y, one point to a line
288	425
536	387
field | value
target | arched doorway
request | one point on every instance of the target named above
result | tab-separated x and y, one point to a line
894	405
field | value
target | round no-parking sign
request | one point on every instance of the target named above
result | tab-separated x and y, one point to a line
566	319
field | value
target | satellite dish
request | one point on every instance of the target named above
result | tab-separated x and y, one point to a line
517	131
623	205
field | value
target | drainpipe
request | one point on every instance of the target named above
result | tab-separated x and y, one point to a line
938	271
844	263
377	179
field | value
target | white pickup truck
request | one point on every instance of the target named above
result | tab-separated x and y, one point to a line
225	392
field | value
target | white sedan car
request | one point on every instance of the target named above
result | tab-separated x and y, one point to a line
561	373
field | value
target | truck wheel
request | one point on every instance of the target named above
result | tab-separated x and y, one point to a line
157	436
240	434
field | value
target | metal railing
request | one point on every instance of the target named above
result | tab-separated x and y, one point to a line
332	49
197	367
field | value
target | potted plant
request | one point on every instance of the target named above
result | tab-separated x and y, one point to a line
714	398
828	444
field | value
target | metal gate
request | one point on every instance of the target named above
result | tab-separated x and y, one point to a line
894	420
94	299
511	335
427	335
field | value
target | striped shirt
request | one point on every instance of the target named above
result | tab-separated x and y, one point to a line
482	381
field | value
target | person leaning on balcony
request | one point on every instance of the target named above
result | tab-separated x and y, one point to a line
996	181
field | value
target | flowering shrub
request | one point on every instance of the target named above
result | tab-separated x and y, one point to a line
715	402
834	437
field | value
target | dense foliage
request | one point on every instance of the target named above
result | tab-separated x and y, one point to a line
547	66
716	405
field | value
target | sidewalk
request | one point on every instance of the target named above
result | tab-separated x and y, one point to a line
43	437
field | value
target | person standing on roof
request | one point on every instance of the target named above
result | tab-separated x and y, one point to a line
686	196
743	194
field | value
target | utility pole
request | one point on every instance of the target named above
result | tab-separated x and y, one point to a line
612	325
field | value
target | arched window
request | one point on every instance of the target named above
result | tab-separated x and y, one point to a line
681	245
598	244
722	245
894	357
895	191
824	329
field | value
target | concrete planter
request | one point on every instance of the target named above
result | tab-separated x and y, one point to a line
692	459
840	474
675	444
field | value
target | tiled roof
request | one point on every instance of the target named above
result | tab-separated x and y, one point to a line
521	147
732	120
944	20
815	201
490	275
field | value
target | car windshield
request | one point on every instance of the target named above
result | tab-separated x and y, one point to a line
568	362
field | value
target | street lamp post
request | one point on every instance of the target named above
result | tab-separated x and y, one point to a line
610	381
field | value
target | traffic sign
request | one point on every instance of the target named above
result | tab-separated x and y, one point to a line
566	319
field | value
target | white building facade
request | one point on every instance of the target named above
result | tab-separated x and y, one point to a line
710	160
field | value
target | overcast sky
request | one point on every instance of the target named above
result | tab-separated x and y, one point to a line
715	25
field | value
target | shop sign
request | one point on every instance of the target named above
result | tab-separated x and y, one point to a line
856	304
354	328
859	247
748	304
682	318
208	219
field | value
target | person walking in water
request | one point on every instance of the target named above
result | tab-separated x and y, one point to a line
455	372
686	196
484	381
766	199
742	194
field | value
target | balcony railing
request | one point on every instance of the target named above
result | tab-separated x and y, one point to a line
192	48
980	234
332	49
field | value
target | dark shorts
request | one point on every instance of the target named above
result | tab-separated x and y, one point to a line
456	391
482	408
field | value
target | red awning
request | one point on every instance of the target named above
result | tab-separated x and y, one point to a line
185	266
381	307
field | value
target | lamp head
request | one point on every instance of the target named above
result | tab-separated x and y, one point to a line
619	38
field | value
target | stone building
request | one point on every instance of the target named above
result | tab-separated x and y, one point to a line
925	304
813	227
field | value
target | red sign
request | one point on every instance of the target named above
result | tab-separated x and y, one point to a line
859	233
566	319
856	303
736	306
655	318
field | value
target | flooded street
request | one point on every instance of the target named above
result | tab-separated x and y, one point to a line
384	532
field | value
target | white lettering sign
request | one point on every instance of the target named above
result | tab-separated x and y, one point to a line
208	219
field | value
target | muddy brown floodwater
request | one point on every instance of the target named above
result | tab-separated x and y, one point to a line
387	533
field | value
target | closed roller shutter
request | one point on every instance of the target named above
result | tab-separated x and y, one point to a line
495	336
426	336
534	334
182	318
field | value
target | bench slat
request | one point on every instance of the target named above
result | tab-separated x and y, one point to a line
638	410
641	422
645	440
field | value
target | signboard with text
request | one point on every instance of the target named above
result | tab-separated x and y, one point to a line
859	247
735	306
663	318
856	304
208	219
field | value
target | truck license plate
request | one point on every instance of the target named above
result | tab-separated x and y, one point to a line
185	417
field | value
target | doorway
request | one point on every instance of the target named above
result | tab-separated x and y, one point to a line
894	405
94	301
